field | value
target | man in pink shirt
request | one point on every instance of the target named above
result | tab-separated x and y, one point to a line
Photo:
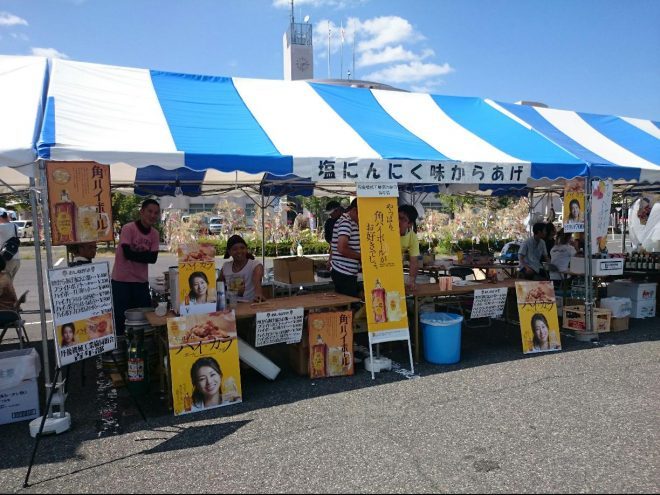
138	247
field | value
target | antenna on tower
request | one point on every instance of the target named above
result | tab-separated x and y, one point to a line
292	13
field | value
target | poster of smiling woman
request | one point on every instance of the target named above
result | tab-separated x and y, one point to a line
537	310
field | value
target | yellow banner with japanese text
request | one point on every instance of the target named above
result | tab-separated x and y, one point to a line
382	264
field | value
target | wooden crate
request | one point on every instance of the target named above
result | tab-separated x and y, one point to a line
573	319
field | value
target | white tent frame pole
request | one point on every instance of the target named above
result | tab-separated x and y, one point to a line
40	277
588	275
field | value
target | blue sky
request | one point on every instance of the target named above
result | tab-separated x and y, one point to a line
600	56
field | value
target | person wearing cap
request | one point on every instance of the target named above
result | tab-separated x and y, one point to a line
7	231
345	255
243	273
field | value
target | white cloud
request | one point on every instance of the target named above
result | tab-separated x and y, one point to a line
20	36
390	54
7	19
409	73
48	53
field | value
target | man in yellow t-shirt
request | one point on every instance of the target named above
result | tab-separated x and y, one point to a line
409	242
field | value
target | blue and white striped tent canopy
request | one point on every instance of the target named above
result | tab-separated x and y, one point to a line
329	134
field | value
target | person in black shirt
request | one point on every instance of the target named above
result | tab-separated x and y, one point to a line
334	209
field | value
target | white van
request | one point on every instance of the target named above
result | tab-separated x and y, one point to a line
24	228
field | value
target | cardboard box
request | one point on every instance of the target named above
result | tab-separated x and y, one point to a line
573	319
619	324
637	291
599	267
620	306
643	309
19	395
293	269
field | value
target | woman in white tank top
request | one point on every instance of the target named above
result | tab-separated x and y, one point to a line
243	274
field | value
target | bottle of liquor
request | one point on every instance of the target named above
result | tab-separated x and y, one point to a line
65	220
318	360
628	261
657	263
378	303
138	379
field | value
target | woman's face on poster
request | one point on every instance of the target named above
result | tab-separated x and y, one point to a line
540	330
208	382
575	210
199	286
67	335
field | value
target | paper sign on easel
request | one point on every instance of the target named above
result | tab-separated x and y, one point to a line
489	303
279	326
81	302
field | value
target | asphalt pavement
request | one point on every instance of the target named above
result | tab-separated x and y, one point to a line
585	419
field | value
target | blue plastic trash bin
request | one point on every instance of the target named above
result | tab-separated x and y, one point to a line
441	333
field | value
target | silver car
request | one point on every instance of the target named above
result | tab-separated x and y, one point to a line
24	228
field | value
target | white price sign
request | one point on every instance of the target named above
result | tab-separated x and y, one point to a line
275	327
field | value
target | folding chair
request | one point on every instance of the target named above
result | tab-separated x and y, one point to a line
12	318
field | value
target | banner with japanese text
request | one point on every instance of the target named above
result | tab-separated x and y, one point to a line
204	365
197	279
410	171
601	204
330	344
79	202
573	213
537	311
382	265
81	305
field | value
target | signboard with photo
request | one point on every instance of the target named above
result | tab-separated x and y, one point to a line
203	355
330	344
79	202
537	311
81	302
574	205
197	284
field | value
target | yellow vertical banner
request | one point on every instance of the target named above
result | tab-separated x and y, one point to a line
382	266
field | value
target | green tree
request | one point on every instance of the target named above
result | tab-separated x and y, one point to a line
125	207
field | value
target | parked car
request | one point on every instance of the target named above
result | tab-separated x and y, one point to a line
24	228
215	225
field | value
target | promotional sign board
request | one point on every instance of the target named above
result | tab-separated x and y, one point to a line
203	356
601	204
79	202
197	280
537	310
382	268
330	344
282	325
574	205
81	304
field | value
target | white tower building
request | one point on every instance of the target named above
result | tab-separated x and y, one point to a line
298	50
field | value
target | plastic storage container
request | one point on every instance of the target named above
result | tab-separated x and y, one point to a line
441	333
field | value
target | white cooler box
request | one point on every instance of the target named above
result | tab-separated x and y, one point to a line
643	309
19	394
637	291
642	294
620	306
599	267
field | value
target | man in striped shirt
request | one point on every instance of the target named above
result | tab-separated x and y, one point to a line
345	259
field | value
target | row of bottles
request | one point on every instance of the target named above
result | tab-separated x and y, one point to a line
642	262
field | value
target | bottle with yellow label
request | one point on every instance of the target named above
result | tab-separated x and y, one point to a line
317	365
378	303
65	225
